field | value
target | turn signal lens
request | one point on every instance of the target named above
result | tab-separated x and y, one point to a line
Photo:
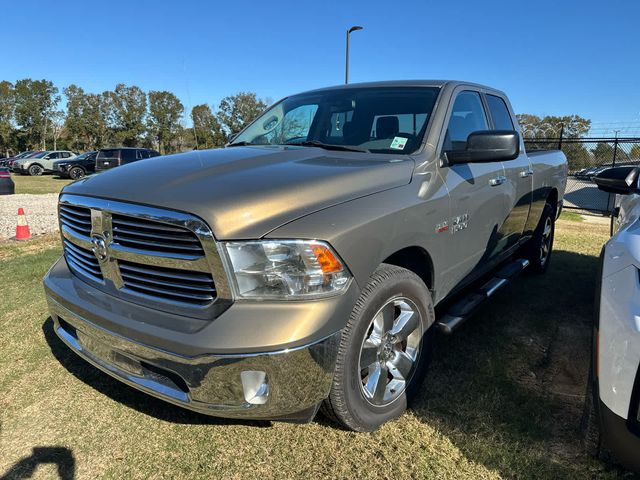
327	260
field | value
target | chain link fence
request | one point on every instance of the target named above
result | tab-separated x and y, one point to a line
587	157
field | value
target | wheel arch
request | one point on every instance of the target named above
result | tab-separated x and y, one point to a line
415	259
552	198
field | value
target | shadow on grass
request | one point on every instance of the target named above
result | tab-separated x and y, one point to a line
492	388
61	457
127	395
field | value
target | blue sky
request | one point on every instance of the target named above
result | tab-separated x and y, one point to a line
551	57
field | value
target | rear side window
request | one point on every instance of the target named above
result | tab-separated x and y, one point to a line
467	116
499	113
106	154
128	156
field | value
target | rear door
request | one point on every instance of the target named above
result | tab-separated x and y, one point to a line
477	205
108	158
519	185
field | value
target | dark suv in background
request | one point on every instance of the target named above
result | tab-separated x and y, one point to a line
76	167
114	157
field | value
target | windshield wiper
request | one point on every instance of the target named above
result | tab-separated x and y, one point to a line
240	144
328	146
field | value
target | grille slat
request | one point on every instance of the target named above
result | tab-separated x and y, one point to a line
78	268
166	273
152	245
76	218
160	292
164	236
147	224
85	263
145	234
202	289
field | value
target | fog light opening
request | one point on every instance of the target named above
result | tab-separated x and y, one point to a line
255	386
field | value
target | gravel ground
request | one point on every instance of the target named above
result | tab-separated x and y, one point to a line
40	211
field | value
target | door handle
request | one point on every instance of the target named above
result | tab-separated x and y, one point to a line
499	180
526	173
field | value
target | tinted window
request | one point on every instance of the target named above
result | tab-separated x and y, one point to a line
109	154
499	113
467	116
128	156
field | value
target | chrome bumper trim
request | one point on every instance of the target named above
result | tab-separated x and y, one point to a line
298	378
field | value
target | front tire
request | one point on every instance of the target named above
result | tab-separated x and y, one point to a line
36	170
384	351
538	249
76	173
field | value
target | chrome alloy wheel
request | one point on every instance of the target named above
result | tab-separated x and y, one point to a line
390	351
545	244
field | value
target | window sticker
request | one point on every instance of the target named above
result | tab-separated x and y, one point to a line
398	143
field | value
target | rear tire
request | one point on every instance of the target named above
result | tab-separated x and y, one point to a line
384	351
538	249
36	170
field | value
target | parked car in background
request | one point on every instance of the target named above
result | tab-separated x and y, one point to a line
7	187
41	163
7	162
611	419
300	266
114	157
77	167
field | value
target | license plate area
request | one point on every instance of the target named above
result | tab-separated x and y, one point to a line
104	353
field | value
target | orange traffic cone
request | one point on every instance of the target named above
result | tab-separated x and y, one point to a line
22	229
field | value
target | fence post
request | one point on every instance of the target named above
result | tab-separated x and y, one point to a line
561	134
615	151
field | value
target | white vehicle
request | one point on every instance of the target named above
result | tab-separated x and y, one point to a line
41	162
611	421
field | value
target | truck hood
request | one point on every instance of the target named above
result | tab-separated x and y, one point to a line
246	192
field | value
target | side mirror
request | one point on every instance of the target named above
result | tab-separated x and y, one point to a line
620	180
487	146
231	137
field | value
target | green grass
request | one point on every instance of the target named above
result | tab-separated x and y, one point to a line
43	184
572	216
502	398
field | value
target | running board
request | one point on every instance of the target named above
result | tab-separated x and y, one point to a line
465	307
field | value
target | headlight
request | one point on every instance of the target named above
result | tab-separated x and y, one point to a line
286	269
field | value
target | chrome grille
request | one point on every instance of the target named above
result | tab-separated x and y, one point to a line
76	218
180	285
151	256
148	235
82	261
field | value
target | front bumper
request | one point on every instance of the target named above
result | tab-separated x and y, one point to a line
279	382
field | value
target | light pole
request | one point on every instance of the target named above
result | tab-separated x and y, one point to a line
346	69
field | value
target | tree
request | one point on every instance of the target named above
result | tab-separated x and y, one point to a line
6	116
237	111
128	110
165	111
35	103
572	126
207	130
57	126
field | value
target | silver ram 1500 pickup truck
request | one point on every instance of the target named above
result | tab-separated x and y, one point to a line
299	267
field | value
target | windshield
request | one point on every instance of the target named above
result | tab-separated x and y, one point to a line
82	156
39	155
378	119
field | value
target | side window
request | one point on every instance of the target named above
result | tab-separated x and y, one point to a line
499	113
128	155
467	116
54	155
66	154
139	155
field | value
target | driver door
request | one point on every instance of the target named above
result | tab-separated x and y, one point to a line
477	205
